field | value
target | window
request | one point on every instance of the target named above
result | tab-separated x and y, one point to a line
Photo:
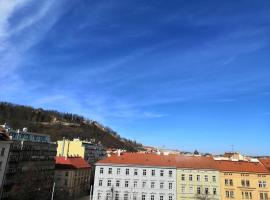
190	177
99	196
2	151
109	183
214	191
108	196
152	197
262	184
110	171
183	189
160	197
152	184
214	178
161	172
143	197
206	191
143	184
100	183
183	177
118	171
190	189
264	196
206	178
126	183
161	185
101	170
117	183
170	175
170	197
232	194
246	195
198	178
127	171
170	186
198	190
245	183
229	194
153	172
117	196
231	182
135	172
135	184
125	196
144	172
66	174
134	197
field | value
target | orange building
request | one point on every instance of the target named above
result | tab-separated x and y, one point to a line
243	180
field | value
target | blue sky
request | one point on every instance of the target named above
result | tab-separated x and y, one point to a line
180	74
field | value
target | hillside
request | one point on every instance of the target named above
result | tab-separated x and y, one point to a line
59	125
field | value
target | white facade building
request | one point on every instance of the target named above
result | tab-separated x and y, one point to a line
135	177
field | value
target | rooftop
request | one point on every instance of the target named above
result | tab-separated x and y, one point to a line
71	162
188	162
265	162
241	166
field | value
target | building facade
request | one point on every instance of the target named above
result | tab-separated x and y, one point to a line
30	166
243	180
197	178
72	177
91	152
136	177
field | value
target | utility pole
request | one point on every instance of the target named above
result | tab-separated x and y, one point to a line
53	190
90	196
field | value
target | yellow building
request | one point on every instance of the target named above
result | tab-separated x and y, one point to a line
197	178
243	180
91	152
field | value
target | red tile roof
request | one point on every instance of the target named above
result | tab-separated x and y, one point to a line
141	159
265	162
196	162
71	162
189	162
161	160
241	166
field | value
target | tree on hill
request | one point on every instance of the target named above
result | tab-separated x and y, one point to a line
59	125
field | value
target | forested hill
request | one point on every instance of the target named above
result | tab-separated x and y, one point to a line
60	125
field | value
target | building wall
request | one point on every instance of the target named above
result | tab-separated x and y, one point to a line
70	148
188	184
90	152
135	182
75	181
234	189
4	152
29	162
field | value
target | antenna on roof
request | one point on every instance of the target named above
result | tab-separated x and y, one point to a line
232	148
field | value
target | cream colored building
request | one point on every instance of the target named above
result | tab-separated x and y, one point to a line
197	178
91	152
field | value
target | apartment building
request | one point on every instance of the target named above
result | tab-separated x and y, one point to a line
72	177
4	152
90	151
135	176
243	180
29	171
197	178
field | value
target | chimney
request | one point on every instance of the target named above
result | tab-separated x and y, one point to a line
118	152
